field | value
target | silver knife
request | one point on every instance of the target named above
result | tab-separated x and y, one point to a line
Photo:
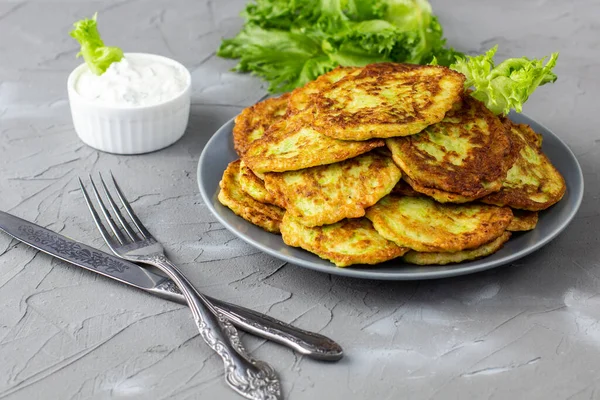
309	343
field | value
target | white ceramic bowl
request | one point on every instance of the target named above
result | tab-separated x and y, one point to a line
130	129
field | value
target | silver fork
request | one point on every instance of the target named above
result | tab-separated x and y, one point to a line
311	344
251	378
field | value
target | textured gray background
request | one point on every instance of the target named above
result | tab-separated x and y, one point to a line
529	330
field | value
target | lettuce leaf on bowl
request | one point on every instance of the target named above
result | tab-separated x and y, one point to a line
97	56
507	85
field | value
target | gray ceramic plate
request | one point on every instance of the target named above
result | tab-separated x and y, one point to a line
219	152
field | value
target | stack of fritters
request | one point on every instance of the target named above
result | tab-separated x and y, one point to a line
366	164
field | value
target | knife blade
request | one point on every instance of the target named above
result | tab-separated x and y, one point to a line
311	344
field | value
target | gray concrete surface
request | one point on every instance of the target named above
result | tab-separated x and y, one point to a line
528	330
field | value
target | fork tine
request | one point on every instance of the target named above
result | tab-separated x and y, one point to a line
105	235
129	210
120	237
117	212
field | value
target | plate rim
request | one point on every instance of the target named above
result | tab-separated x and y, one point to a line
365	273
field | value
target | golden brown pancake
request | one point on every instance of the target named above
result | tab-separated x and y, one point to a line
464	157
329	193
253	121
253	186
386	100
348	242
231	195
523	221
415	257
422	224
292	144
302	98
532	183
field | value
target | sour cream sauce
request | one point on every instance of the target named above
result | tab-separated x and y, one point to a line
132	82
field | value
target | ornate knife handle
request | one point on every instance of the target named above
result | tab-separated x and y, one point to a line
311	344
251	378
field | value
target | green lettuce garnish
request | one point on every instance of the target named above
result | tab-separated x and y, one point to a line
509	84
97	56
291	42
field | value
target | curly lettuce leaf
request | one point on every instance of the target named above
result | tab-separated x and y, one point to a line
330	15
368	42
314	36
97	56
280	14
404	31
285	59
364	10
509	84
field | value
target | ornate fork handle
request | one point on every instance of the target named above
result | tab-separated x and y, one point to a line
251	378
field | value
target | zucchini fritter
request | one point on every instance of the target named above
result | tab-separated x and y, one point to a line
467	154
302	98
532	183
253	121
385	100
329	193
292	144
231	195
421	224
415	257
351	241
523	221
253	186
